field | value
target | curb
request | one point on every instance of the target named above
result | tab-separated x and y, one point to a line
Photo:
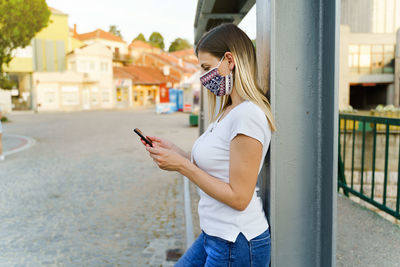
188	214
27	142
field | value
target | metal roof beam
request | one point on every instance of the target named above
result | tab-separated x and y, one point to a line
223	15
211	13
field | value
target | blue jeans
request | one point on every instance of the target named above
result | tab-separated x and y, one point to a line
212	251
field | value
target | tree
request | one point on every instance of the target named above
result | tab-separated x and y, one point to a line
140	37
114	30
179	44
254	42
157	40
19	22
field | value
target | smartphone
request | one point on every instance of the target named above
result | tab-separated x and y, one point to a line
136	130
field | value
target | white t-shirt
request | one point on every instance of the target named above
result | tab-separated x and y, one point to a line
211	153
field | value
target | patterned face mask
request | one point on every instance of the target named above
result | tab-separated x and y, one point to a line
216	83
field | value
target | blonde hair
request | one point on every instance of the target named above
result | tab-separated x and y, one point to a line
230	38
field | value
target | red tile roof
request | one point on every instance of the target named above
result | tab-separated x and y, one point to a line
99	33
169	60
188	67
186	55
142	75
183	53
140	44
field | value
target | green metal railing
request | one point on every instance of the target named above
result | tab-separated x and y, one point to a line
374	129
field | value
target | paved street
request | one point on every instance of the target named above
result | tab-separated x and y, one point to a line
88	194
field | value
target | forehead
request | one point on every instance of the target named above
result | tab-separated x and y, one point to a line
205	57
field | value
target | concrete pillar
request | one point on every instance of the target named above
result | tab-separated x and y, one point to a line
302	176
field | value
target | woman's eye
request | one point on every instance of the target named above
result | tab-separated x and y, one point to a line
206	69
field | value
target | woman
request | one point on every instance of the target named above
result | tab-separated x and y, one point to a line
227	158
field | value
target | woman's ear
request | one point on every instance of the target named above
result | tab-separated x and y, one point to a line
231	60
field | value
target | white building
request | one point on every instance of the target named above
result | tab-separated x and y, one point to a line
368	72
88	83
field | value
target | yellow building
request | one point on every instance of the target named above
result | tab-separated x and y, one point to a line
47	53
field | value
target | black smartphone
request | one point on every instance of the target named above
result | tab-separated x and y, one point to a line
136	130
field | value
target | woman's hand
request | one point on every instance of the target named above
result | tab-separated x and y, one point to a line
166	159
165	143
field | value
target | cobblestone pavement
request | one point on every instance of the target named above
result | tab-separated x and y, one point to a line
88	194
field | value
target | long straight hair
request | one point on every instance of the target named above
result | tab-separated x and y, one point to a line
230	38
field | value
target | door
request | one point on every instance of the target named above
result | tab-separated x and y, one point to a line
86	98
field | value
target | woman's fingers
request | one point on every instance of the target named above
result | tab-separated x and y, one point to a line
153	150
147	145
154	138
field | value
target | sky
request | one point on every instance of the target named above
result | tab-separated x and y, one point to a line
172	18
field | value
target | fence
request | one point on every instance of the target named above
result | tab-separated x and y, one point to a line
371	170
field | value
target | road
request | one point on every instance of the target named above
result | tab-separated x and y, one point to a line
88	194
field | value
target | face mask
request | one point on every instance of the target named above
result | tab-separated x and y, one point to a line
216	83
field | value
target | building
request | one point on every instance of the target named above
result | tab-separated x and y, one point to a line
139	85
115	43
87	84
62	91
95	61
47	53
368	75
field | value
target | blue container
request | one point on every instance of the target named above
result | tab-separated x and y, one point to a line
180	100
173	98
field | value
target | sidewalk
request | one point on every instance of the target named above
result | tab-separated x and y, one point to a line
365	238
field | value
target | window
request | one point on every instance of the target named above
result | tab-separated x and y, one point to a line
371	58
72	65
388	59
365	58
106	96
104	67
91	66
95	95
49	96
385	16
84	66
70	95
377	58
353	58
